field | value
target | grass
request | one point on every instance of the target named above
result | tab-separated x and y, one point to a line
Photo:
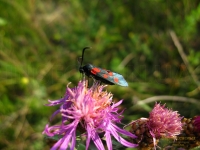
40	42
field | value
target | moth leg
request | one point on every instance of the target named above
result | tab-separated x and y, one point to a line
83	76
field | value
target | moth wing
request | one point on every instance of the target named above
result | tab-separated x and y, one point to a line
108	76
119	79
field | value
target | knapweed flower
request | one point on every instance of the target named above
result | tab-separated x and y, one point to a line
91	109
197	123
190	136
164	123
140	129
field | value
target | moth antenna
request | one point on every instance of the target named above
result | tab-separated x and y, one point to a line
83	54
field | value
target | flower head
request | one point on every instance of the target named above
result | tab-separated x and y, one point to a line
164	122
197	123
94	111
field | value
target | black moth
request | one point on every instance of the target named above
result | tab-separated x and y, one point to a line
103	75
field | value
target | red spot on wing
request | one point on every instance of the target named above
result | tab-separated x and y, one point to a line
110	73
95	70
116	80
105	76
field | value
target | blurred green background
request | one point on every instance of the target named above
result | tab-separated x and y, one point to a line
154	44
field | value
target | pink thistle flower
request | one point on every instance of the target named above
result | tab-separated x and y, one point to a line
197	123
94	111
164	123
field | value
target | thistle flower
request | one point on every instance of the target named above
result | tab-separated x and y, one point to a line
190	136
94	111
197	123
140	129
162	122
